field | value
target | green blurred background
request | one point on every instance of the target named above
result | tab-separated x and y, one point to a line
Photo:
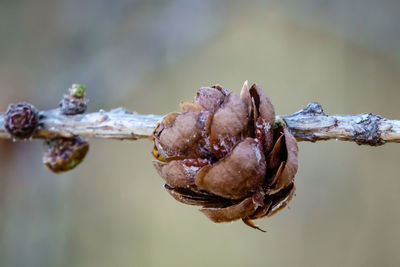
147	56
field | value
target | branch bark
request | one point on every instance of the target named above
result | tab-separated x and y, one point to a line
309	124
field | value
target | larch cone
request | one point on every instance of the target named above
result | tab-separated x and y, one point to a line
227	154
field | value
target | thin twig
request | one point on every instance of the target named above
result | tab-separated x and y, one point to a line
309	124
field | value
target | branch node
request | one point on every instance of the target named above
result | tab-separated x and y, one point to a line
313	109
366	130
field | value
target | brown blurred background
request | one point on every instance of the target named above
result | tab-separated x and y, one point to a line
147	56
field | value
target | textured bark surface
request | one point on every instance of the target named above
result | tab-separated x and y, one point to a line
312	124
309	124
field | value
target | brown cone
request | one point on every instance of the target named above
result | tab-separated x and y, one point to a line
22	120
225	153
64	154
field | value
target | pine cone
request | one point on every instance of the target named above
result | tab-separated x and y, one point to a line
63	154
227	154
21	120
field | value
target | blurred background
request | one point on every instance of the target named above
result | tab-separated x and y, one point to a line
147	56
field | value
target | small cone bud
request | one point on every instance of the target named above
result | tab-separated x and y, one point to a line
62	154
74	102
22	120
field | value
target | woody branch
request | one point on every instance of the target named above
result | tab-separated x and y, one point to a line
309	124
